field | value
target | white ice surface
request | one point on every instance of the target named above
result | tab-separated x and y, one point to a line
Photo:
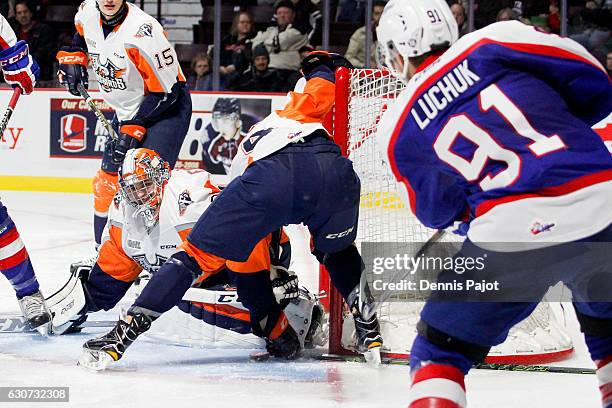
57	230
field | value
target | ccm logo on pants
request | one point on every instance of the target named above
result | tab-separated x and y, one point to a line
340	234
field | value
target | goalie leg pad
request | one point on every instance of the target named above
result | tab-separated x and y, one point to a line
167	286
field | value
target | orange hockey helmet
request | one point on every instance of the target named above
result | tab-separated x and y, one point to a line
142	178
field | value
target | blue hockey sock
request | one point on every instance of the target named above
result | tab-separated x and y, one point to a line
255	293
424	351
437	376
601	353
344	268
99	224
14	260
167	286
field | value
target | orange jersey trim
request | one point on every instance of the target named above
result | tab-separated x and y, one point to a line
79	28
208	263
114	262
152	83
313	104
259	259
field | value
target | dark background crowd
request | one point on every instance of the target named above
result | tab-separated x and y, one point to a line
263	41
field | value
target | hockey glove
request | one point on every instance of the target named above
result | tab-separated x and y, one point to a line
19	68
72	69
132	133
281	340
317	59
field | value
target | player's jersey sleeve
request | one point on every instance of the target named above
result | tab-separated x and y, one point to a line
7	35
561	62
112	259
154	58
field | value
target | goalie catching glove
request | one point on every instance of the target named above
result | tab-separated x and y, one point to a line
19	68
72	69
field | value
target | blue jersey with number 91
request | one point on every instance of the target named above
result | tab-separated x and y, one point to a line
497	132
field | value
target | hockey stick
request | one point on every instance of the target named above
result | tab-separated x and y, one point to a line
92	105
480	366
435	237
10	109
18	324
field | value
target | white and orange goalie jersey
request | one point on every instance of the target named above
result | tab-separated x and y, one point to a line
132	61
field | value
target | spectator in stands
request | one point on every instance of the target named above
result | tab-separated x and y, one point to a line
259	77
40	38
596	30
201	78
506	14
356	48
233	47
351	11
6	10
308	18
283	40
459	13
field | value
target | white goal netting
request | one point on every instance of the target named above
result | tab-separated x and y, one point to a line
385	218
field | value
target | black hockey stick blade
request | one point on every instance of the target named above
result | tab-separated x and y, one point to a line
18	324
481	366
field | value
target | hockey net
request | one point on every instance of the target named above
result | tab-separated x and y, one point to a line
363	95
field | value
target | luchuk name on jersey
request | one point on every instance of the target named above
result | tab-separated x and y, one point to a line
109	75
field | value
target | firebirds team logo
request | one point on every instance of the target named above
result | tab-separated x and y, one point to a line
184	201
109	75
145	30
73	138
150	266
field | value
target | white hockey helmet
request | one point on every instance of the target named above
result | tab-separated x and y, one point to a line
410	28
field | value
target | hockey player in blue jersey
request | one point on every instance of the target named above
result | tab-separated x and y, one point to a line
20	70
494	131
287	171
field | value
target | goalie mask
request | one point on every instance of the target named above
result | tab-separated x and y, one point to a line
142	178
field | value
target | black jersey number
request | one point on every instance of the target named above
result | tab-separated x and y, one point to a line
249	144
164	58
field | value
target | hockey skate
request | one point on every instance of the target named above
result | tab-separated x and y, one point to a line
100	352
367	329
36	312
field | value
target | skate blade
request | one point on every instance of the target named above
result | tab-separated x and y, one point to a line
372	356
43	329
94	360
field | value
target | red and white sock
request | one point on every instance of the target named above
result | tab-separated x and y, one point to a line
437	386
604	375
